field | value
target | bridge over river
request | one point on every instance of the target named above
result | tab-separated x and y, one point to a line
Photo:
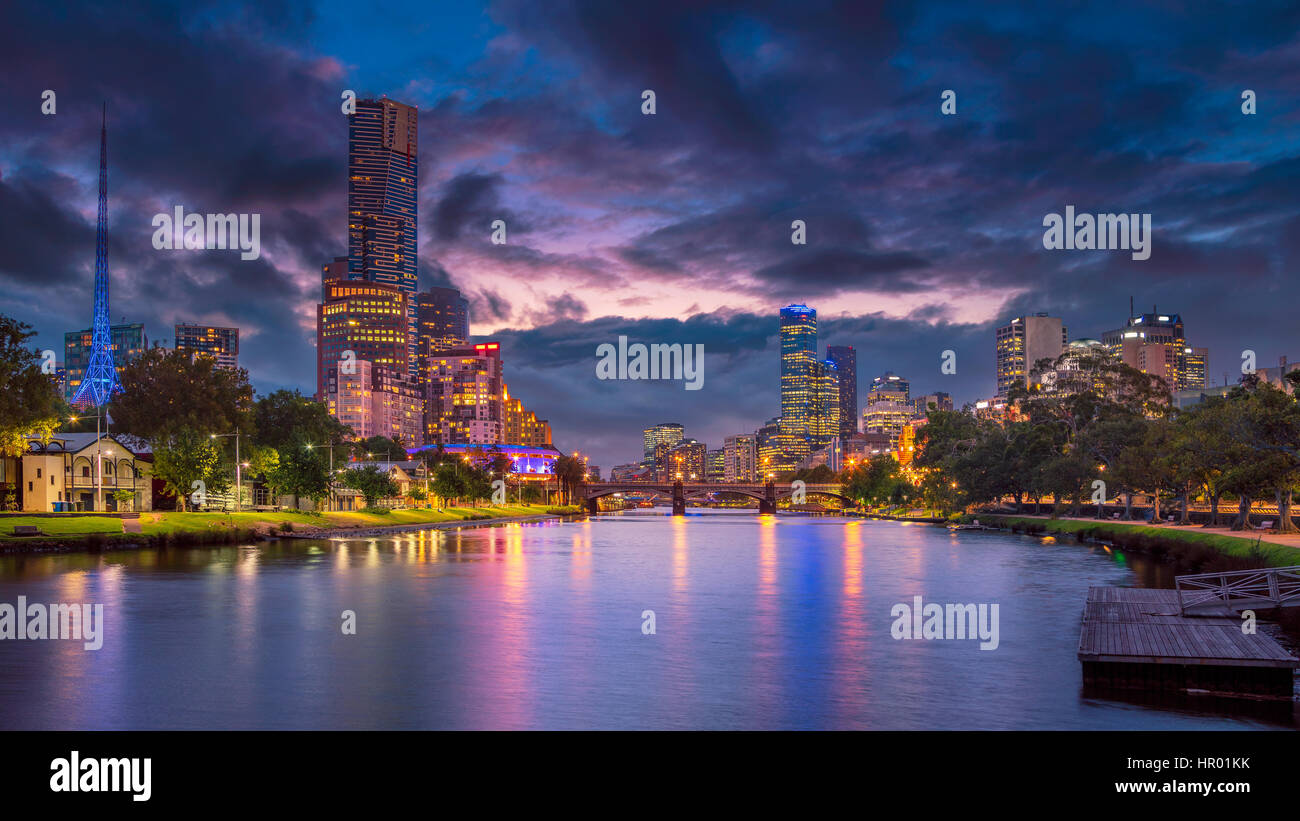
767	493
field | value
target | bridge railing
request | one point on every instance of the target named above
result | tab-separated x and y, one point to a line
1266	587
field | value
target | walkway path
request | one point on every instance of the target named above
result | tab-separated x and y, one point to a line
1286	539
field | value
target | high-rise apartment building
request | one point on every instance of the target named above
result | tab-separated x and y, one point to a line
222	344
360	320
1021	343
128	342
740	458
375	400
383	201
846	365
889	406
1196	368
686	461
465	396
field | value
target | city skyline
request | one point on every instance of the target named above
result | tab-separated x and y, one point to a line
924	233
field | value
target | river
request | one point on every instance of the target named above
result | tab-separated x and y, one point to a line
758	623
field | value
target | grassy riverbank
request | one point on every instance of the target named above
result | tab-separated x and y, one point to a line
181	529
1192	548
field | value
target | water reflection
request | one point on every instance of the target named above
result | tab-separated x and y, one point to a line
761	622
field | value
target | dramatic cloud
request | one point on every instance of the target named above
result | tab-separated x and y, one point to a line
923	230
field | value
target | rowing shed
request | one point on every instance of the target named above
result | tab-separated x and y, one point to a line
1137	638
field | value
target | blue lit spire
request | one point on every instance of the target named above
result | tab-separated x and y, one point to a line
100	379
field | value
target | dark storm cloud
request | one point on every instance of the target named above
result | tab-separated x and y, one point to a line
768	112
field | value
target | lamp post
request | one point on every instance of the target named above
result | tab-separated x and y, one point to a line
239	475
99	459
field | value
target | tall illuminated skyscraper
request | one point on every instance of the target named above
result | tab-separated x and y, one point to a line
383	203
798	363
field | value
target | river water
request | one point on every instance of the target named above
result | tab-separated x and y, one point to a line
759	622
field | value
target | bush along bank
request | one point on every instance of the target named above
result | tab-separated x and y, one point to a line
1189	550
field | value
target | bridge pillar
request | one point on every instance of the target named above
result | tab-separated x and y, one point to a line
593	507
679	499
768	503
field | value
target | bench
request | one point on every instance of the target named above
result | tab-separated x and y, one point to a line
27	530
1266	524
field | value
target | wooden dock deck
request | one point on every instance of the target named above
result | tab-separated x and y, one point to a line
1137	637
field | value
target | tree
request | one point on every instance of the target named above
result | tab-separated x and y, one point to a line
285	418
186	457
379	447
29	403
447	482
167	391
570	471
299	471
374	484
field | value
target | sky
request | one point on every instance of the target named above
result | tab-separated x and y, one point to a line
924	230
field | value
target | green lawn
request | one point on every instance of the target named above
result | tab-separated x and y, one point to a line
1146	536
172	523
59	525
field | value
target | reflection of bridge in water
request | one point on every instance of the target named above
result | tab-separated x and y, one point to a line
767	494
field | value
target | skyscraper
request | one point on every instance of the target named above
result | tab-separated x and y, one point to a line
100	380
798	361
846	365
1021	343
383	202
824	410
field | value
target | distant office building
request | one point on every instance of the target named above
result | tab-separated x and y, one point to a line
1277	376
687	461
846	365
769	444
383	202
626	473
1190	397
715	465
465	396
888	406
1183	367
522	427
360	320
222	344
824	410
1021	343
442	321
669	433
376	400
889	387
1196	367
129	342
740	458
921	404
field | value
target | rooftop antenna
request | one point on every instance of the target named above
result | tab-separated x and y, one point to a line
1130	307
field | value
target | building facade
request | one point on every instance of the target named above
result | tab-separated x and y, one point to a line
846	365
383	202
128	343
740	458
465	396
1021	343
222	344
360	321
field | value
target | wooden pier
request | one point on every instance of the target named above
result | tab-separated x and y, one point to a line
1139	638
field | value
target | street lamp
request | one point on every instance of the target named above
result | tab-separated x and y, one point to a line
99	458
239	475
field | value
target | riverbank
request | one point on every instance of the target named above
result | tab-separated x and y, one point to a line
1193	547
65	534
